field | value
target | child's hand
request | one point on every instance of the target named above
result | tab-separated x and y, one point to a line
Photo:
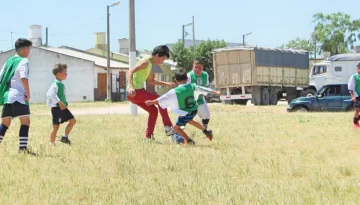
149	102
27	97
62	106
218	93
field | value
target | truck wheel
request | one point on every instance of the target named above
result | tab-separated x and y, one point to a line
240	102
273	97
265	96
300	109
308	92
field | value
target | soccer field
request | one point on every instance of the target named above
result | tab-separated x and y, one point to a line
259	155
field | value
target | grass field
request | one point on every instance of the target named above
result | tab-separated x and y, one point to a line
259	155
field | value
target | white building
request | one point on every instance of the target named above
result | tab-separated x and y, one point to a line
86	80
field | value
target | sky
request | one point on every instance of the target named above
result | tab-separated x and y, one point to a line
74	22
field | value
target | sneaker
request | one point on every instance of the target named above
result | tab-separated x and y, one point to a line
149	139
65	140
169	131
208	134
190	142
26	151
356	126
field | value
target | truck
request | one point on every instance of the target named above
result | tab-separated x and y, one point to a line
262	75
336	69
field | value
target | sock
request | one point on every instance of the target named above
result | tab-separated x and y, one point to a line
65	136
356	121
205	122
3	130
23	136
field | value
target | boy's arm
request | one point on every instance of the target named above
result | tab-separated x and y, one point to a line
165	100
203	90
153	81
24	76
52	94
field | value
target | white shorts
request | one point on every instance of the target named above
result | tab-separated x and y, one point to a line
203	111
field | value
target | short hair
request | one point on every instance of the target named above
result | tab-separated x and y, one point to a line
58	68
197	61
161	50
181	74
22	43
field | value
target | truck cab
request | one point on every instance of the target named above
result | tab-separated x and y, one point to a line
336	69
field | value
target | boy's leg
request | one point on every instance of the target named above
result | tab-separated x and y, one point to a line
24	132
181	121
153	114
67	116
6	120
204	114
356	113
206	131
23	112
139	99
53	133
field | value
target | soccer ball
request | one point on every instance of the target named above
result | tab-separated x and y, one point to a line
177	138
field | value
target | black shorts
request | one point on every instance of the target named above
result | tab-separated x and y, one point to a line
357	103
15	109
60	116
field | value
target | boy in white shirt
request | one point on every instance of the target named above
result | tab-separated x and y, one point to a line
15	93
182	101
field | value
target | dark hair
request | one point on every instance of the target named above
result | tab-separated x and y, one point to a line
22	43
181	74
197	61
161	50
58	68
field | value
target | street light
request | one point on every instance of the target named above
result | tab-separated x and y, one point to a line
108	50
244	37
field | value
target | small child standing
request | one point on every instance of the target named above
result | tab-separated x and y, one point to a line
56	100
182	101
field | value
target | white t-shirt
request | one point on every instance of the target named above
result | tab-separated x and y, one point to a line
170	99
17	90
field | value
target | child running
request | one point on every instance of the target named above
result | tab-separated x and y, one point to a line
15	93
137	76
56	100
182	101
200	78
354	88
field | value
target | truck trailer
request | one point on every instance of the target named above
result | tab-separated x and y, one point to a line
262	75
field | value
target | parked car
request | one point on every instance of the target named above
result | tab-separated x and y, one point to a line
331	97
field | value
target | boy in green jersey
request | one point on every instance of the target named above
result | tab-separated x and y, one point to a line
354	88
15	93
183	101
56	100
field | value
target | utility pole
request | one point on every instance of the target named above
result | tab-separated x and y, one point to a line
193	30
108	56
183	35
12	45
243	39
108	74
132	51
47	37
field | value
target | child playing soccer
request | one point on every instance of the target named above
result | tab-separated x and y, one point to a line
15	93
182	100
201	78
56	100
138	95
354	88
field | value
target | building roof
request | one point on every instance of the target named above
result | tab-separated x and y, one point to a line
99	61
345	57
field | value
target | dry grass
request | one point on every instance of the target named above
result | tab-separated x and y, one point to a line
260	155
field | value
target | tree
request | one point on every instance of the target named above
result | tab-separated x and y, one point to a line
336	32
301	44
185	56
